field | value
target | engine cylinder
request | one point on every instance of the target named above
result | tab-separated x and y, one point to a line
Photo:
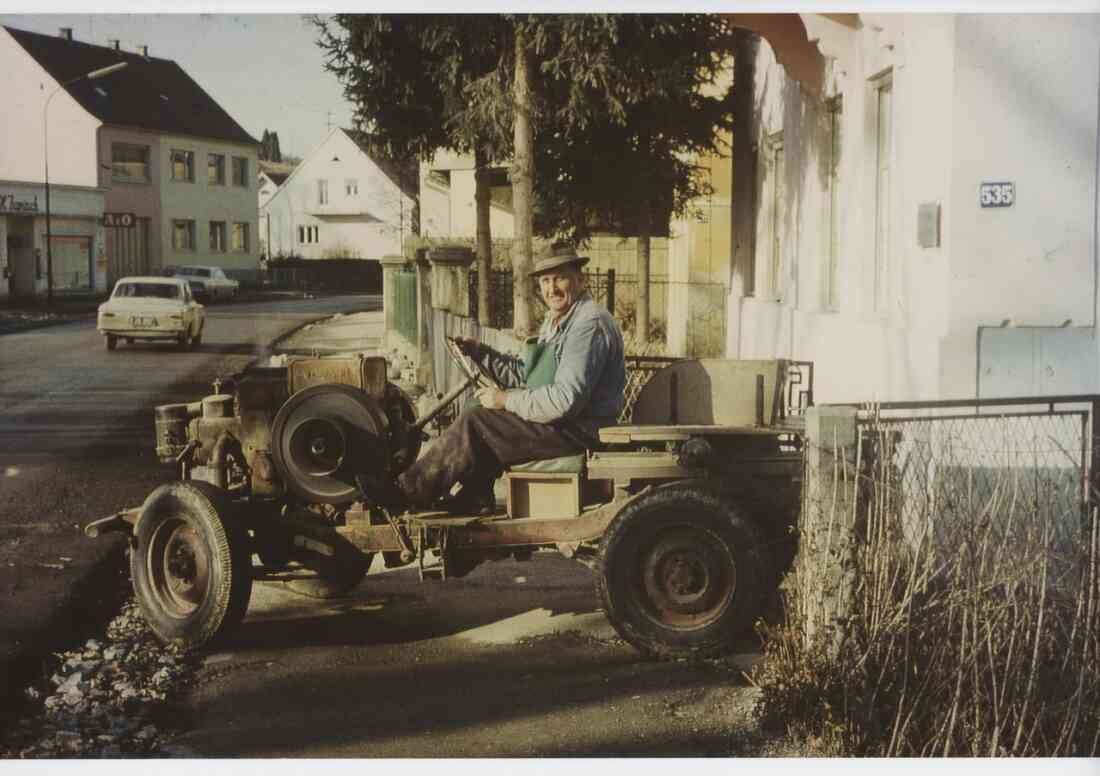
171	429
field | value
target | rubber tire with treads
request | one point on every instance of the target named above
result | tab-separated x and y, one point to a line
192	564
112	342
337	574
682	573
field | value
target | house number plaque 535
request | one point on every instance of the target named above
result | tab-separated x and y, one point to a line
999	194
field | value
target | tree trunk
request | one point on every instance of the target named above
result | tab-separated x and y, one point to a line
522	186
484	238
641	309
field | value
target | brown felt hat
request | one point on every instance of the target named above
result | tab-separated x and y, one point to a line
554	257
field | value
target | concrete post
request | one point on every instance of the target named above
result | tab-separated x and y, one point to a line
390	265
826	557
450	278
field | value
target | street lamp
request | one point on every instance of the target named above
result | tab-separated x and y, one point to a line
91	76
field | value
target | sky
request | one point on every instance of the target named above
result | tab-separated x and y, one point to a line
265	70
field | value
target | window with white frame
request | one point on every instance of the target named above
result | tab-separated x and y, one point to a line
831	294
215	169
322	192
351	187
240	171
774	196
183	235
217	236
883	106
240	238
183	165
308	235
129	163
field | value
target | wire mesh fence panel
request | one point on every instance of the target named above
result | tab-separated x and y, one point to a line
639	370
946	477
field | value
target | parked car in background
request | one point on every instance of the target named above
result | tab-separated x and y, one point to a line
151	308
209	283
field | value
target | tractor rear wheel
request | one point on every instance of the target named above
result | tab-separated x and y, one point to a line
682	574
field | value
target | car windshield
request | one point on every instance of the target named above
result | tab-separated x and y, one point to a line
148	290
197	271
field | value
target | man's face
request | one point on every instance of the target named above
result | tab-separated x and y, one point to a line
561	288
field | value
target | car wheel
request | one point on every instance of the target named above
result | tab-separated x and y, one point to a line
183	339
112	342
682	574
129	340
192	564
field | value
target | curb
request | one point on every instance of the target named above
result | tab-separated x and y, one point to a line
94	597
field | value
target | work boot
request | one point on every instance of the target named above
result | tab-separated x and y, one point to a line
472	500
382	491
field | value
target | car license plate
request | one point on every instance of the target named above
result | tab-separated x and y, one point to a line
143	322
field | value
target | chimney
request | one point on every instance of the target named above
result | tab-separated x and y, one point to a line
144	51
116	44
66	33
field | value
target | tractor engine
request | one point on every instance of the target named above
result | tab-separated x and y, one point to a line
304	430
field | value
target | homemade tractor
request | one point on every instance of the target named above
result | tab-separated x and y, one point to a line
685	515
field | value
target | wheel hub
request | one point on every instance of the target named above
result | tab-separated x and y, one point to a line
687	577
179	567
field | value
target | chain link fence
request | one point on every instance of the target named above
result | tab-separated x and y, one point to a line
945	470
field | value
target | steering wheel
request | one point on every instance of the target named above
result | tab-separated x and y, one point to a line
470	367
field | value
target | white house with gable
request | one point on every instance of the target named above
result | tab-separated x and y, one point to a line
340	202
922	219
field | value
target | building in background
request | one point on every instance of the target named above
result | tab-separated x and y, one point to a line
146	169
340	202
272	176
921	209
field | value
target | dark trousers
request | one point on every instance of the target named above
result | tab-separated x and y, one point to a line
479	445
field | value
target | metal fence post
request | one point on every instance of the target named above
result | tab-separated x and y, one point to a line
611	291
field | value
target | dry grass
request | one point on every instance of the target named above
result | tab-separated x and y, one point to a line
973	631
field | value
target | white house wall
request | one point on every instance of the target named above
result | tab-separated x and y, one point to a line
1026	96
450	212
342	229
974	98
72	130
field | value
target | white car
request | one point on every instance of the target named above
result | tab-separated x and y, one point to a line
208	282
151	308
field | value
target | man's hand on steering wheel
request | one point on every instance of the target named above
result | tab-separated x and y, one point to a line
459	349
491	397
469	346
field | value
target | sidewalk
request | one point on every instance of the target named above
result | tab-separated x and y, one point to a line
84	589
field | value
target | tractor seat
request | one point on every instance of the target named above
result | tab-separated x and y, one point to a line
567	464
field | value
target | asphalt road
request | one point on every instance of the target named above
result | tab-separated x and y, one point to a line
514	660
77	443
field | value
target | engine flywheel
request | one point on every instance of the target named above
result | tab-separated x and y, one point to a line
323	436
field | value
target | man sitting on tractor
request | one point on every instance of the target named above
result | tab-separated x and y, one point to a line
554	400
